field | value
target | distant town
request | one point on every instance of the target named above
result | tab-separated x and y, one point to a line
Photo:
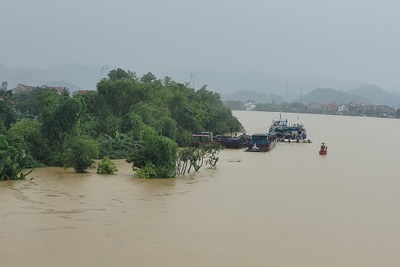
333	108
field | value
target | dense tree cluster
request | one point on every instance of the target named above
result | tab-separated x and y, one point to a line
141	119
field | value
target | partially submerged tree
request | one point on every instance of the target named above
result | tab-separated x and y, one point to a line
79	153
12	161
157	159
106	166
194	157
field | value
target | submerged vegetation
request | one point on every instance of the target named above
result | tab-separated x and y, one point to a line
143	120
195	157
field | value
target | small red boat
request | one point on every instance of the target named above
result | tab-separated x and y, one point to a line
324	149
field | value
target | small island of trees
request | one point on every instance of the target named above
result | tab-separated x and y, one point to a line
147	121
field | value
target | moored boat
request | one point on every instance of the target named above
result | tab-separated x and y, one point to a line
234	141
261	143
286	132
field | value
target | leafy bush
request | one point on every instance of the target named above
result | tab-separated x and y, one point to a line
159	152
195	157
79	153
106	166
119	146
12	162
148	171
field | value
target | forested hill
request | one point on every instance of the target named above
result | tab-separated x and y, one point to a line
327	95
45	123
369	94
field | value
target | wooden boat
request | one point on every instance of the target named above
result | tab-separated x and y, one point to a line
324	149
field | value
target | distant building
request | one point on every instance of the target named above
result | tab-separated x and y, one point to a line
21	88
250	105
315	107
331	108
81	92
58	89
343	108
384	108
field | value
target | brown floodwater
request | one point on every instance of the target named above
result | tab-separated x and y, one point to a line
288	207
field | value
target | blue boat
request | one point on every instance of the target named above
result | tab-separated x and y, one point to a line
261	143
285	132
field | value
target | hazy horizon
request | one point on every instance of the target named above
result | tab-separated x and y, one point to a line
351	40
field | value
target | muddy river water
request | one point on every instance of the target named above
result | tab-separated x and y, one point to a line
289	207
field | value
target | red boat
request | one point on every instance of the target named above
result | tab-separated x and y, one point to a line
324	149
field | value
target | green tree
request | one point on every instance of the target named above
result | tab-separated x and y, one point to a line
61	115
235	105
31	103
79	153
28	135
106	166
8	115
119	146
119	74
195	157
12	161
4	85
158	155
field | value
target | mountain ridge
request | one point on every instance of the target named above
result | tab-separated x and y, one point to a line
254	85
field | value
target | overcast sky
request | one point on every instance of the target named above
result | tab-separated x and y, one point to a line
351	40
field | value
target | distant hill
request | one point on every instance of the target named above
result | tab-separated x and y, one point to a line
327	95
73	76
228	82
257	97
376	95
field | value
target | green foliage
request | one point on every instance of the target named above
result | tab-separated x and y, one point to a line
119	74
106	166
188	158
32	103
194	157
148	78
148	171
211	152
27	133
235	105
184	138
59	130
60	117
157	115
119	146
159	151
8	115
12	161
79	153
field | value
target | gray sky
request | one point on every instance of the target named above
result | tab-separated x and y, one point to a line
352	40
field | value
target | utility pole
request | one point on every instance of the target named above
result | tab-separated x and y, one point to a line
301	95
192	79
287	92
